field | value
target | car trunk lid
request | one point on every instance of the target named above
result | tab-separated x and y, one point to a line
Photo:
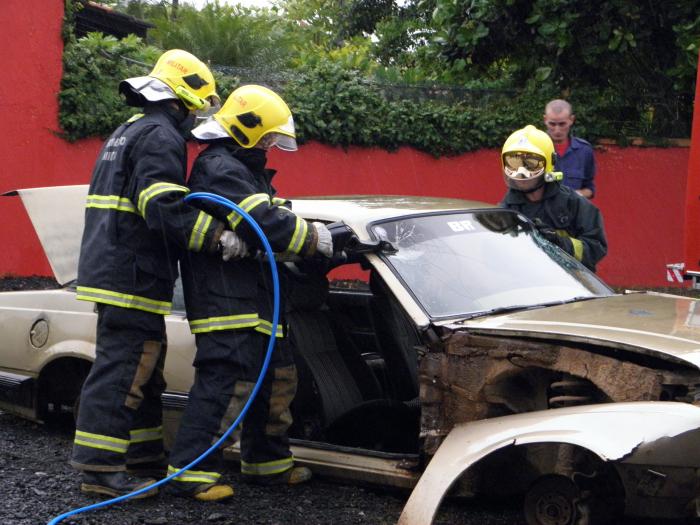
58	216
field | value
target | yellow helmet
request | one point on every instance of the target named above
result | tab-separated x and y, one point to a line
177	75
252	112
528	159
188	77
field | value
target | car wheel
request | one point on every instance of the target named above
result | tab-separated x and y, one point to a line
59	389
552	500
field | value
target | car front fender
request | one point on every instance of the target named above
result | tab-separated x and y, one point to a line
640	432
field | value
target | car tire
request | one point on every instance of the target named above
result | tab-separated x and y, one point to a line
552	500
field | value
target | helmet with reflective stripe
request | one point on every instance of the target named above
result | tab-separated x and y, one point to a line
255	115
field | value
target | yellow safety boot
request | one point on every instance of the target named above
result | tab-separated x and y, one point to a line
200	491
293	476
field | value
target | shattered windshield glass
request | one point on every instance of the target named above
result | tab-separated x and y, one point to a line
460	264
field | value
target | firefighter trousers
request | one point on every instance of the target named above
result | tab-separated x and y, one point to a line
227	366
120	411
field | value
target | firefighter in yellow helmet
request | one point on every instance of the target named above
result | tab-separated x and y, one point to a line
561	215
136	222
229	303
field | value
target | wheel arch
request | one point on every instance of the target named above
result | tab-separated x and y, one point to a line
611	431
59	384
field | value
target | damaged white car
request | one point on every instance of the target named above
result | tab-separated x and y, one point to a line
440	364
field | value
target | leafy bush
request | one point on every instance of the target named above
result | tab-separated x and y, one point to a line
341	107
89	102
93	66
338	105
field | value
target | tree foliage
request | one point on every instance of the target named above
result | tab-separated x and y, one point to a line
340	106
379	77
227	35
89	103
643	53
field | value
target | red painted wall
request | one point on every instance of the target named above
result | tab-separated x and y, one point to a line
641	191
30	152
692	197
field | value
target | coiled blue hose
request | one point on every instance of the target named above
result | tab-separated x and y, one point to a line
268	356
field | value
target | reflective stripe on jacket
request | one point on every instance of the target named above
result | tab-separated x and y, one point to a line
136	220
236	294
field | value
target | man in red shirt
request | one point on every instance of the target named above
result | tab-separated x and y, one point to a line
574	155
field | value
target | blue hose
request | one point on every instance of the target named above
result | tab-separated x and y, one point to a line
268	356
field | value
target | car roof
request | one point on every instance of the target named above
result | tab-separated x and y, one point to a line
357	211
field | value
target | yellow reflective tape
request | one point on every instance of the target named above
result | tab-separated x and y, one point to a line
156	189
99	446
146	434
265	327
194	476
199	231
87	439
299	236
110	202
578	248
98	295
267	468
277	201
227	322
101	437
247	204
134	118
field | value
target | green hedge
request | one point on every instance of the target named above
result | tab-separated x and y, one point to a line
338	106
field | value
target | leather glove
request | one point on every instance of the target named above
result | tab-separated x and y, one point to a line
548	232
325	240
232	246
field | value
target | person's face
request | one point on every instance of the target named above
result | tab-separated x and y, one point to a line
266	142
558	125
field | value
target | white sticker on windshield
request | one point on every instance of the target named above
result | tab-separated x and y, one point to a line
461	226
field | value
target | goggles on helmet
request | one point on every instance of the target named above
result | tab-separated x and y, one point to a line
521	165
519	159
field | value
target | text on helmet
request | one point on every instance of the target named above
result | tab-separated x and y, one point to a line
177	65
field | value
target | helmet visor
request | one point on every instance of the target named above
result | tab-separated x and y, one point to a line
284	139
520	159
283	142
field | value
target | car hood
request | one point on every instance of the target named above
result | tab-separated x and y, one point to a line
660	325
58	216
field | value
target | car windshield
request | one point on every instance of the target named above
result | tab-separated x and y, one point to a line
468	264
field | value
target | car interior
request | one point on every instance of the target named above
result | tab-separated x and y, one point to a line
356	357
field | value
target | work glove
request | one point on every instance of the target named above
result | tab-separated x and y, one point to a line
324	245
548	233
232	246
